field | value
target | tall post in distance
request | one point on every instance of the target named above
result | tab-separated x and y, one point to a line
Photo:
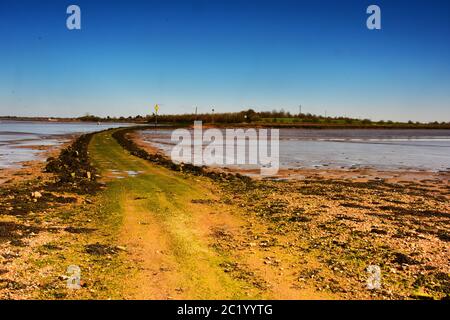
156	115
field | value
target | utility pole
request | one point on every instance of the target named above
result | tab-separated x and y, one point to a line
213	115
300	110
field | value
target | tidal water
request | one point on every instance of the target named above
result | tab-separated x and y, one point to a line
21	140
381	149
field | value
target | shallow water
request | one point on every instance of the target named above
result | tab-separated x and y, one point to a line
351	148
19	139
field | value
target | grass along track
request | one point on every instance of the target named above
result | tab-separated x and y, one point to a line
159	228
169	223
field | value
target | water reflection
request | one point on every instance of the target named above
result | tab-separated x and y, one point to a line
24	140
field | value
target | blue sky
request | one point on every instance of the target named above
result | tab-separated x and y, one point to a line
230	54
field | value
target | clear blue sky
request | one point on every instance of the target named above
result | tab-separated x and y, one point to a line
228	54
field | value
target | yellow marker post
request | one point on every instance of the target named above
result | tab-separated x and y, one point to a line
156	114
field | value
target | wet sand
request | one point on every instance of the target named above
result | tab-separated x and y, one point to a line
363	174
24	141
26	170
359	149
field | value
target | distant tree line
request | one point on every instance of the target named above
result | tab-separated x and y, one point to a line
274	117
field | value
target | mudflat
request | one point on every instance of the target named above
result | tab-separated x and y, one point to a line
138	227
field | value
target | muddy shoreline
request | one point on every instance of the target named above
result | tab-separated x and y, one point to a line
399	223
31	169
69	172
330	230
358	174
28	207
